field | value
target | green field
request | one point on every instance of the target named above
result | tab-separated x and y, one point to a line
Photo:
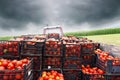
113	39
95	32
109	36
6	38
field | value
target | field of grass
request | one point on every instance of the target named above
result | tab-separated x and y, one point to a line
5	38
95	32
113	39
109	36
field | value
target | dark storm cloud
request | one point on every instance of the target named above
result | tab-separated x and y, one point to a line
18	13
91	11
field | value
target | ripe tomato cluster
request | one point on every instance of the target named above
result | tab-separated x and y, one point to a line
53	35
51	75
87	45
72	64
9	47
52	47
91	70
56	61
70	39
6	64
72	50
106	56
7	68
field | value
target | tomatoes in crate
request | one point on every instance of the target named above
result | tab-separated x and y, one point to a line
92	73
91	70
88	59
71	64
6	64
14	69
53	47
54	35
51	75
53	62
37	61
87	48
9	48
72	50
105	56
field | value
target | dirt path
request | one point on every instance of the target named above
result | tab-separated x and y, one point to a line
111	48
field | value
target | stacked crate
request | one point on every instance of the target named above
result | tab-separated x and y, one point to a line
33	49
71	58
15	70
52	57
87	51
109	63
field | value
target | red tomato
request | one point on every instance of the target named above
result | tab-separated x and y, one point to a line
100	71
5	63
45	78
19	63
24	61
88	66
2	68
14	62
10	49
10	66
19	67
41	78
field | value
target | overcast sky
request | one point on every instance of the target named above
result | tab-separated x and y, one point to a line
30	16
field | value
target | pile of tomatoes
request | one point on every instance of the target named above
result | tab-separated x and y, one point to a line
72	50
9	47
105	56
91	70
12	69
51	75
52	47
53	35
55	61
6	64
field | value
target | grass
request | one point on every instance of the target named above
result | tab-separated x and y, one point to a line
95	32
6	38
109	36
113	39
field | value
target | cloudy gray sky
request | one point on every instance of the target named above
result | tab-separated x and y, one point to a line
30	16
